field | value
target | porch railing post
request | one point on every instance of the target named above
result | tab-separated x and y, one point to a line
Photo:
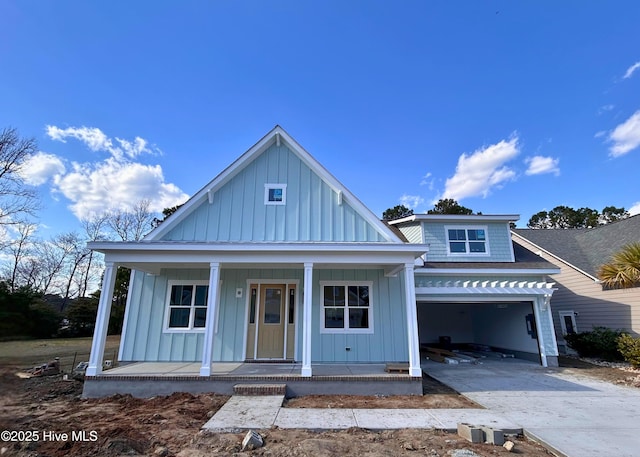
412	321
306	322
102	320
210	325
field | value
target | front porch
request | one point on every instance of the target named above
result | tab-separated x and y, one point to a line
147	379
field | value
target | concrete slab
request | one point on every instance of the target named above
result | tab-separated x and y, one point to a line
393	419
576	415
245	413
315	418
448	419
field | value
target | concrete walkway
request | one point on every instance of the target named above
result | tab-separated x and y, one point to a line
244	413
575	416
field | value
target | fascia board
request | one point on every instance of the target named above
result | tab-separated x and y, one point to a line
374	248
491	271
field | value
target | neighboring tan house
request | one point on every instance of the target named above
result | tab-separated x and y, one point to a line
581	302
275	260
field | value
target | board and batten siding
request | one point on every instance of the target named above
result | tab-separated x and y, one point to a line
499	241
387	343
615	309
146	340
238	213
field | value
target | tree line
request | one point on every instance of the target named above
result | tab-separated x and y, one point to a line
51	285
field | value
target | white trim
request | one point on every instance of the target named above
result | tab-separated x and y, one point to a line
412	322
167	301
268	187
458	218
102	319
486	271
479	294
467	241
346	329
259	283
306	370
536	314
563	327
212	303
125	322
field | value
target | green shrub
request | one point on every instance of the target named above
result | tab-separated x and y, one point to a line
601	343
629	347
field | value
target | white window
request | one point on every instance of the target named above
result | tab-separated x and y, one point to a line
467	241
568	322
275	194
186	306
346	307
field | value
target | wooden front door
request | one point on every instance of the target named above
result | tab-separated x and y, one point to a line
271	321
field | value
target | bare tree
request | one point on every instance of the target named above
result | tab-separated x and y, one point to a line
18	249
134	224
94	231
16	198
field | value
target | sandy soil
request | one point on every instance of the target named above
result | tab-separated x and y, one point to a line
170	426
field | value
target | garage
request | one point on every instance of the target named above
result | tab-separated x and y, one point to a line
504	327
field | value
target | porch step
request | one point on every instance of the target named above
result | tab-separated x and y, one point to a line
260	389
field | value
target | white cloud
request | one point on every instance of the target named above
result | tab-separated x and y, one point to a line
635	209
606	108
631	70
411	201
540	164
96	140
626	136
41	168
108	185
600	134
477	173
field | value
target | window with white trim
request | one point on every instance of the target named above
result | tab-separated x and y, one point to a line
568	322
275	194
187	306
467	241
346	307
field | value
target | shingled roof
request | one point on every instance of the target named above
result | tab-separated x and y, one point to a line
585	249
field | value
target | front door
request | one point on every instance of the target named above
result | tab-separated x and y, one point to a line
271	322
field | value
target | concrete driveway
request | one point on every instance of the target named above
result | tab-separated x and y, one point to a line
575	415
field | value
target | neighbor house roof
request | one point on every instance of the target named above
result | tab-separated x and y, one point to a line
586	249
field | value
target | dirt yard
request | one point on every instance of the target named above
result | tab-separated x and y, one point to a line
40	411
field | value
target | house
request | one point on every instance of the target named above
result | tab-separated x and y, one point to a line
275	260
581	302
476	286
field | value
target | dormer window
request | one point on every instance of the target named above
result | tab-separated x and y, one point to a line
467	241
275	194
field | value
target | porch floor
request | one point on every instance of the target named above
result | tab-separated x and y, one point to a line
237	369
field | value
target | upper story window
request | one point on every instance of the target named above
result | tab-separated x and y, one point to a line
187	306
346	307
467	240
275	194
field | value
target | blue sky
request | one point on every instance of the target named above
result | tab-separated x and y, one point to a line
508	107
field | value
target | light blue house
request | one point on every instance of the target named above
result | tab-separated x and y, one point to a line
275	260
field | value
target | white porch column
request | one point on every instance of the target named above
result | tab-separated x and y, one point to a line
210	325
540	302
102	320
412	321
306	322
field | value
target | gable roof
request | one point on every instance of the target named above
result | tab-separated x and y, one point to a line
585	249
276	136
